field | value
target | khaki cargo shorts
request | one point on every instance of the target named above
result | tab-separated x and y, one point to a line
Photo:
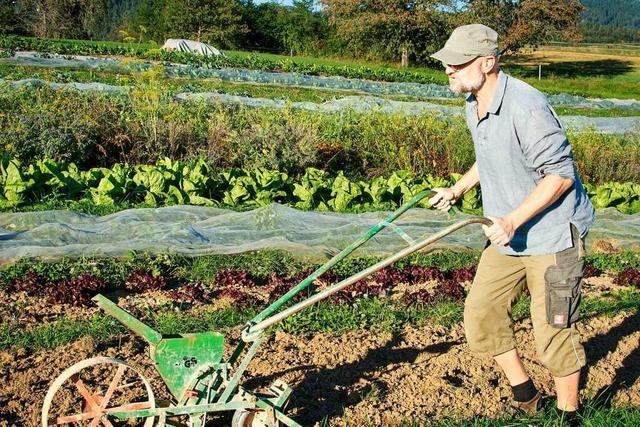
554	284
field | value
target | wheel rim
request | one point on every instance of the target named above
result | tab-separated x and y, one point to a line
85	394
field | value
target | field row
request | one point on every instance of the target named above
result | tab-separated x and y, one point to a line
148	125
171	182
397	331
255	62
610	77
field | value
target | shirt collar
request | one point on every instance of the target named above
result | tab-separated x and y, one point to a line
498	96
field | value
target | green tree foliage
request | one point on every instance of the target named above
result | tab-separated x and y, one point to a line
9	17
391	29
63	18
596	33
145	22
213	21
300	29
295	29
611	21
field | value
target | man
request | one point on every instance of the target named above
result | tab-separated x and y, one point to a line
540	212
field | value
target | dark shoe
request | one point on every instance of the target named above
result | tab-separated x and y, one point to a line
530	407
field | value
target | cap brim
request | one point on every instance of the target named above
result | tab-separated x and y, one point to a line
449	57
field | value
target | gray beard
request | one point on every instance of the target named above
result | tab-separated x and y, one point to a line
458	87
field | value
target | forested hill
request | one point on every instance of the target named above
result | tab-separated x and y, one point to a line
613	13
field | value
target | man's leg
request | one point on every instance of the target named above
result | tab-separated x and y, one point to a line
487	321
559	349
512	367
487	317
567	389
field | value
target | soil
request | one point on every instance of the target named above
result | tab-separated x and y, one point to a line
418	373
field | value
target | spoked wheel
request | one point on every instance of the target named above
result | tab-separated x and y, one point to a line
252	418
89	391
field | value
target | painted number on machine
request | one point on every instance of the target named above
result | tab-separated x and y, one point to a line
190	362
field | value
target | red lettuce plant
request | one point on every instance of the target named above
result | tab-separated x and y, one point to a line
141	280
450	290
32	283
236	278
628	277
419	297
419	274
77	291
465	274
591	271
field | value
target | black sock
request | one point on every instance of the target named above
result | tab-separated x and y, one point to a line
524	392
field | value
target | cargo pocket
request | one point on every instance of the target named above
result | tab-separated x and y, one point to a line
562	293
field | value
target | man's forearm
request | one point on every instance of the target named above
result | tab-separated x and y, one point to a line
469	180
546	192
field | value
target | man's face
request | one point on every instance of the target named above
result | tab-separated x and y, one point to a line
466	77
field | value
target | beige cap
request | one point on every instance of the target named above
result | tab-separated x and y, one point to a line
466	43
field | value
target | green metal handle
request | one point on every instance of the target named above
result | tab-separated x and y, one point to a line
338	257
152	336
254	330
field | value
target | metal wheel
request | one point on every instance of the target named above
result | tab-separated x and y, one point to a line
87	392
252	418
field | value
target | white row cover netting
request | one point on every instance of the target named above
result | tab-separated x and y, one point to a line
363	104
82	87
190	46
193	231
290	79
359	104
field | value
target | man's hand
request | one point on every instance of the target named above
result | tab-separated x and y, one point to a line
501	232
444	199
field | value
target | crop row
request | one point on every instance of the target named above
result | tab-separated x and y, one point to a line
173	182
246	290
254	62
98	130
243	289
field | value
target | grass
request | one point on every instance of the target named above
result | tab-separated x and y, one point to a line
622	49
594	414
578	73
584	70
437	75
374	314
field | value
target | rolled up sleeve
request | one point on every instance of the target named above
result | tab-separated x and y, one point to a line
544	143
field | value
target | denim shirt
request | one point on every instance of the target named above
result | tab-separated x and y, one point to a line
518	143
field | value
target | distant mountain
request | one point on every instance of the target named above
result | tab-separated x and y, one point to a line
612	13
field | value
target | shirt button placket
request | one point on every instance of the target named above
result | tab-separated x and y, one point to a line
481	131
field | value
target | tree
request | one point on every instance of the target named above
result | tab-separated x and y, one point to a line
294	29
9	22
146	22
300	29
262	23
214	21
528	22
392	29
62	18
